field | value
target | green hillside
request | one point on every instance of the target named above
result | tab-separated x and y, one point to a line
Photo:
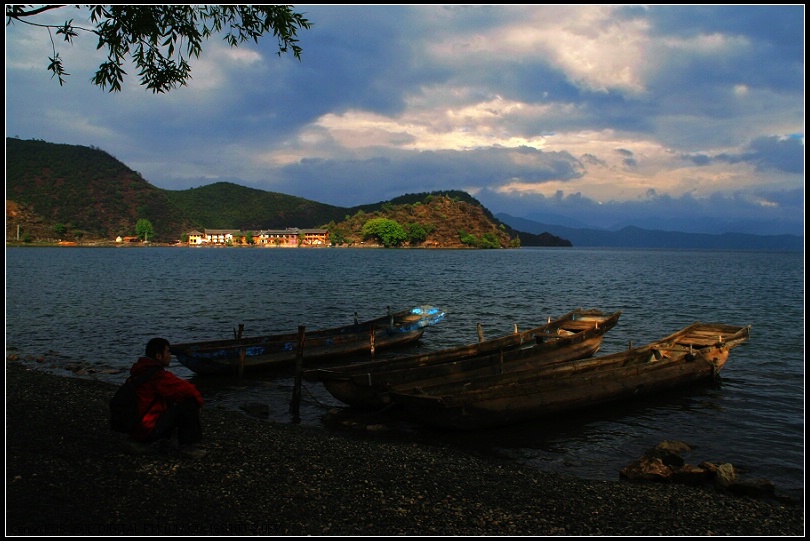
76	193
225	205
86	190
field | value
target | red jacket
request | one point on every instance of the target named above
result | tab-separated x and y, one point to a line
158	393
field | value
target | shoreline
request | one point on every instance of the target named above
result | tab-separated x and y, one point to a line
67	473
362	246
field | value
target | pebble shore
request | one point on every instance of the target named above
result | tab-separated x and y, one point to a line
68	474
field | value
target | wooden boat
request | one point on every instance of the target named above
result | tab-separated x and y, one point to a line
692	355
367	385
234	356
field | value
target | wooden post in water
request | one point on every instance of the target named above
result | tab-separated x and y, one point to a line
241	369
299	368
480	332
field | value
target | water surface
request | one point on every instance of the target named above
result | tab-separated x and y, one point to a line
99	306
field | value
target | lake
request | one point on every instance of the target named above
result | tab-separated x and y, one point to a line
97	307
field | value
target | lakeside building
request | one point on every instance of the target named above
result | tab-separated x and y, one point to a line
292	237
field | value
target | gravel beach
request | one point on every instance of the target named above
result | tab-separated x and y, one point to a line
68	474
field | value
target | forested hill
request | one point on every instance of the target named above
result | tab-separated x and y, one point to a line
57	191
81	190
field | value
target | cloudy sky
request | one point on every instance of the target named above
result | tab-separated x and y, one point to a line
685	118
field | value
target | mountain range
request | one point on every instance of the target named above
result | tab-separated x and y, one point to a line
636	237
87	193
58	192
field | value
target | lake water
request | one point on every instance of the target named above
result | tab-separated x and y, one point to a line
97	307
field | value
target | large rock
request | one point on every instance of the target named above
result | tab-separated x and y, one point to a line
757	488
647	468
663	463
669	452
672	446
689	474
725	475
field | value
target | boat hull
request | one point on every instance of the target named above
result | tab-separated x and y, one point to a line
368	385
563	387
228	357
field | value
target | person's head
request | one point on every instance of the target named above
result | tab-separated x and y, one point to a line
158	349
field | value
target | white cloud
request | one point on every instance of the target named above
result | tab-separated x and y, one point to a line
595	50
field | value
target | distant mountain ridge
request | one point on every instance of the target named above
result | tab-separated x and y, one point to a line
635	237
711	225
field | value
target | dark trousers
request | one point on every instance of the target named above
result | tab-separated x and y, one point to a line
185	418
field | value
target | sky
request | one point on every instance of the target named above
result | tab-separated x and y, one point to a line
683	118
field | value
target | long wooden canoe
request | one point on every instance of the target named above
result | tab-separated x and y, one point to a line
692	355
233	356
367	385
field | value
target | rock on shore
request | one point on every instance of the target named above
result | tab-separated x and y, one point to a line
68	474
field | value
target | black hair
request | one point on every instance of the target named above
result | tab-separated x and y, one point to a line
155	346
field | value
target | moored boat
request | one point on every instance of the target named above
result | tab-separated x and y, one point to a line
693	355
577	334
238	355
